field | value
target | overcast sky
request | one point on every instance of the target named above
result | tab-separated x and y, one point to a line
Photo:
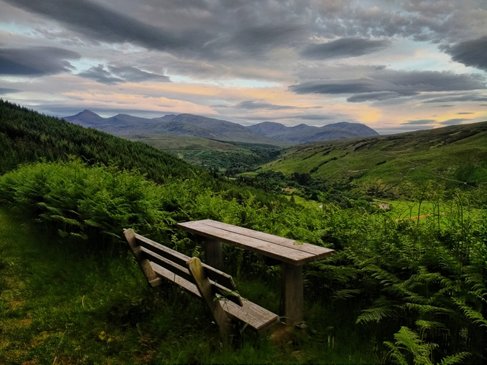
393	65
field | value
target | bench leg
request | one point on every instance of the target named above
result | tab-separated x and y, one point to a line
213	253
204	287
292	293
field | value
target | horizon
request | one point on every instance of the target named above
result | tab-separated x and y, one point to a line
395	67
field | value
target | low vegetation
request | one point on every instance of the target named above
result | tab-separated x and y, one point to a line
399	290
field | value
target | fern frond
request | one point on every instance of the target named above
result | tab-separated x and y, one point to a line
375	314
345	294
455	359
474	316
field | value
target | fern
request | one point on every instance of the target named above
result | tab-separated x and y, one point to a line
474	316
455	359
382	310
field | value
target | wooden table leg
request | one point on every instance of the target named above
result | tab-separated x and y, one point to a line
292	276
213	253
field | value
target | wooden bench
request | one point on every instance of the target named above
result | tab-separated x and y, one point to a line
290	253
217	288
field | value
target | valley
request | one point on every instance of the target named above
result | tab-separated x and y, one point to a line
403	257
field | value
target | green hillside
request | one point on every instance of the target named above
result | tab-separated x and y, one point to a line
213	154
452	156
26	136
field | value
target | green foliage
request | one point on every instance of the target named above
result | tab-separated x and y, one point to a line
410	348
26	136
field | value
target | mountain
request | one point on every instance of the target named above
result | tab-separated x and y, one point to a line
455	155
303	133
210	128
27	136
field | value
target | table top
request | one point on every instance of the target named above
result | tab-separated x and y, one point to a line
279	248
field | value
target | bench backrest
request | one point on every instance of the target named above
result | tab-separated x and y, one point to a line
158	261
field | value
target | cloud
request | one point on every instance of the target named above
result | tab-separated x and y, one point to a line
250	104
100	74
386	84
454	121
115	74
6	90
344	47
103	24
35	61
209	31
457	98
373	96
464	113
470	53
419	122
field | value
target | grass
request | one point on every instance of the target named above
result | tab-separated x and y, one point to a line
62	303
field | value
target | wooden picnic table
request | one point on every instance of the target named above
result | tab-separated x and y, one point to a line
292	255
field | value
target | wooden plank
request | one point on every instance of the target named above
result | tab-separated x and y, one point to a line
214	274
171	276
204	287
144	264
282	253
179	270
183	272
301	246
250	313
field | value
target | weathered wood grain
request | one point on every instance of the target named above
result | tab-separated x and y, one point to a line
144	264
279	248
204	287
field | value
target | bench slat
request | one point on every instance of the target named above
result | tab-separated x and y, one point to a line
254	315
183	272
166	263
213	274
286	242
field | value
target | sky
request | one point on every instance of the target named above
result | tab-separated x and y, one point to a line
393	65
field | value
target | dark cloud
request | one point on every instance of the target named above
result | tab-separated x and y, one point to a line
256	39
464	113
419	122
457	98
250	104
344	47
6	90
454	121
470	53
373	96
100	74
196	30
389	83
115	74
103	24
35	61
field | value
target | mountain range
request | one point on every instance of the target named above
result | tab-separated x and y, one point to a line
194	125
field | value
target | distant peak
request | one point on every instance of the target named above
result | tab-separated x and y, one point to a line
87	112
